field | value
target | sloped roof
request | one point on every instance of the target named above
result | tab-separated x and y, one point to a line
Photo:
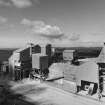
25	47
77	44
101	57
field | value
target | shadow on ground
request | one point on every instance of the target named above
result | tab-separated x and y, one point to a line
9	97
30	89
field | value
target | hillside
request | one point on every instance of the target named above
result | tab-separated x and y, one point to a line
6	53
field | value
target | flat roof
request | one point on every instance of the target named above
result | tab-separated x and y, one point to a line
39	54
69	50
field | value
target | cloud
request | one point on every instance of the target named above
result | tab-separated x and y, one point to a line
18	3
41	29
4	3
70	38
21	3
49	31
3	19
45	32
98	34
74	37
28	22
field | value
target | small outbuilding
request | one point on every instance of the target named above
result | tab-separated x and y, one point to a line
68	55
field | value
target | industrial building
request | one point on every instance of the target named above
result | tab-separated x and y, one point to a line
23	60
5	53
53	63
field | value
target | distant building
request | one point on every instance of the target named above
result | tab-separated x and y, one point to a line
68	55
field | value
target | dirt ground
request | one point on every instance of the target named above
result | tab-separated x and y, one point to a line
31	92
43	94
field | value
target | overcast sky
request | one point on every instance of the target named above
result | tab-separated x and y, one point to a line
65	21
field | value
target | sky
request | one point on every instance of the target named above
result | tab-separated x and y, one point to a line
51	21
